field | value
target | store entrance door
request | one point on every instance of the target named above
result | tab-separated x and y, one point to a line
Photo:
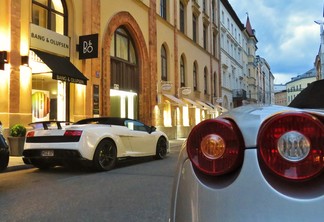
123	104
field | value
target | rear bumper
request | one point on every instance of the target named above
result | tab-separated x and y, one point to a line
61	157
251	194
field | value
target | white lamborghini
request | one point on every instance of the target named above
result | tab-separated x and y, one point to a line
95	142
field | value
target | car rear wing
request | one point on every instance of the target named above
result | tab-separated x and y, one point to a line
46	125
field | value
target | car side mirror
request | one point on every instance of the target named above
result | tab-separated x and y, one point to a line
152	129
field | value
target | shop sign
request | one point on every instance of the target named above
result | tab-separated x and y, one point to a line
219	100
47	40
166	87
88	46
69	79
185	91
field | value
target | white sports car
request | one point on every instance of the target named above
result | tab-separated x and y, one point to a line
95	142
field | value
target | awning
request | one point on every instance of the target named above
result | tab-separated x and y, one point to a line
222	109
62	68
174	100
211	105
192	103
204	105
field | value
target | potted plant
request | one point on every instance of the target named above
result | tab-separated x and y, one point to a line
16	139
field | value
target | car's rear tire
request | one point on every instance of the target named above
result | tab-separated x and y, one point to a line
161	148
105	157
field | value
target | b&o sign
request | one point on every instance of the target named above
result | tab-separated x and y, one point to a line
88	46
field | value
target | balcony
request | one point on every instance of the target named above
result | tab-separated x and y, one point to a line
239	94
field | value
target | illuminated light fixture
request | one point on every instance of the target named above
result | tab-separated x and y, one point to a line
3	57
24	60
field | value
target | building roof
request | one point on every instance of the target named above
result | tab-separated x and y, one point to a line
308	74
248	26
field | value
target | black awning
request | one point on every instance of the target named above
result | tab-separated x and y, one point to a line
62	68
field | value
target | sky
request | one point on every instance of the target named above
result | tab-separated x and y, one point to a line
288	38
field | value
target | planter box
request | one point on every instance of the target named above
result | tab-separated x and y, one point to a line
16	145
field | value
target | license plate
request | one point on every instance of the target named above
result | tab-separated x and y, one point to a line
47	153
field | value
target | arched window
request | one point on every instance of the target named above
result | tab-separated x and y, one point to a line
50	14
123	46
164	64
182	72
123	61
195	76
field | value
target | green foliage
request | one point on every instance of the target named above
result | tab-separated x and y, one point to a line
17	130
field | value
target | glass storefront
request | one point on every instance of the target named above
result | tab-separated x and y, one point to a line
48	94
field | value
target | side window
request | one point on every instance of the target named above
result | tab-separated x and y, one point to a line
135	125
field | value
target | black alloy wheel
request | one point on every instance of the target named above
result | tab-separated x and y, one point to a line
161	148
105	157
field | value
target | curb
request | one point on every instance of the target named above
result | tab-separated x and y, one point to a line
16	168
16	163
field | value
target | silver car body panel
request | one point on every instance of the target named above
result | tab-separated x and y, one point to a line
252	193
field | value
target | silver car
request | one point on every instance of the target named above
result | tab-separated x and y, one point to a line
254	163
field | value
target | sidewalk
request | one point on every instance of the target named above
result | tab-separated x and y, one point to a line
16	162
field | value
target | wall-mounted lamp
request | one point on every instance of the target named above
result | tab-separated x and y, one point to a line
3	57
24	60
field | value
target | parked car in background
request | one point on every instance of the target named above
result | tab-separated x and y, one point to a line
4	153
94	142
254	163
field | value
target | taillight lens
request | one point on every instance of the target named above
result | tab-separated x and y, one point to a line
30	134
292	145
215	146
73	133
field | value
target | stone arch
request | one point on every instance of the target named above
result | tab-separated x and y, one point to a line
126	20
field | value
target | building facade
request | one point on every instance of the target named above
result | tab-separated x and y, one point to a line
297	84
265	79
239	71
156	61
231	44
280	94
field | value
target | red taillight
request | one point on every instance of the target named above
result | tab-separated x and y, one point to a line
292	145
30	134
73	133
215	146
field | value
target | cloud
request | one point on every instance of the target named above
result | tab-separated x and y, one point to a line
287	36
283	78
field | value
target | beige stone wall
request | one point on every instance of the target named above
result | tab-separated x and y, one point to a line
149	32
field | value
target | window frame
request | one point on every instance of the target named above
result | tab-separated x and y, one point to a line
182	72
194	28
164	63
163	9
182	17
195	77
50	11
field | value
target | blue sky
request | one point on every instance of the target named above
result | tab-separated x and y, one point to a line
288	37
